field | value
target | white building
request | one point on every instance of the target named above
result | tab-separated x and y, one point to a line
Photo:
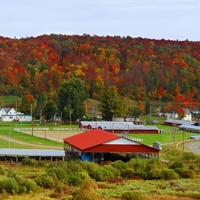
16	117
7	111
173	115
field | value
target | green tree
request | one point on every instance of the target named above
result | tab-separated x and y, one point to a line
25	106
71	97
41	102
49	109
112	104
136	111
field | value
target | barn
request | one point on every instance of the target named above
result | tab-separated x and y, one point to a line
98	145
118	127
177	123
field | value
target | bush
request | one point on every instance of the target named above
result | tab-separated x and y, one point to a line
29	162
169	174
187	173
30	185
132	196
88	191
138	164
2	172
45	181
120	165
11	186
128	173
155	174
176	164
90	167
75	179
142	174
59	172
113	170
192	167
103	174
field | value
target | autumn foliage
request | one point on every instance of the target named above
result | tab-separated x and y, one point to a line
139	68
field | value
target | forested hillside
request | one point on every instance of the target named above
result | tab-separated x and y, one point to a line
141	69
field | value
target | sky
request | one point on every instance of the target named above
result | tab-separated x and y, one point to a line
153	19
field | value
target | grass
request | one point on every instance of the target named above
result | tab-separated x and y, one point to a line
7	129
149	188
169	136
10	99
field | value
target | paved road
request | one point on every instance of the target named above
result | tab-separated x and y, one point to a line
193	146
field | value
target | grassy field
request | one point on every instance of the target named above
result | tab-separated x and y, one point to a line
10	99
170	135
182	188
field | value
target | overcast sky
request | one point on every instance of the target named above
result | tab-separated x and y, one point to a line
155	19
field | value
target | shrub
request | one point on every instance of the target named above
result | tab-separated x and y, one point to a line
192	167
132	196
113	170
142	174
155	174
176	164
75	179
59	172
2	185
11	186
128	173
2	172
29	162
88	191
169	174
45	181
90	167
30	185
187	173
138	164
103	174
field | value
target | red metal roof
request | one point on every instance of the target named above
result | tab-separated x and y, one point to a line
97	140
90	139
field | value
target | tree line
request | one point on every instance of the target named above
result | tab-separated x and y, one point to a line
37	69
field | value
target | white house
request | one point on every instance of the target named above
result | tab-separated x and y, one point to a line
16	117
173	115
7	111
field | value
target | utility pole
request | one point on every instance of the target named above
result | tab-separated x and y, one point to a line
32	118
183	139
169	135
9	140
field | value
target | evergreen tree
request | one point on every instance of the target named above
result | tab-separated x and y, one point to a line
25	106
112	104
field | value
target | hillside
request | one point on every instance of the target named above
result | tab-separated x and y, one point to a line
141	69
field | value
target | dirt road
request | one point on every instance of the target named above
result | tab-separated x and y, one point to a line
51	135
193	146
28	144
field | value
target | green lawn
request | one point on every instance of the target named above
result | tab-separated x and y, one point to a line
10	99
7	129
169	135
